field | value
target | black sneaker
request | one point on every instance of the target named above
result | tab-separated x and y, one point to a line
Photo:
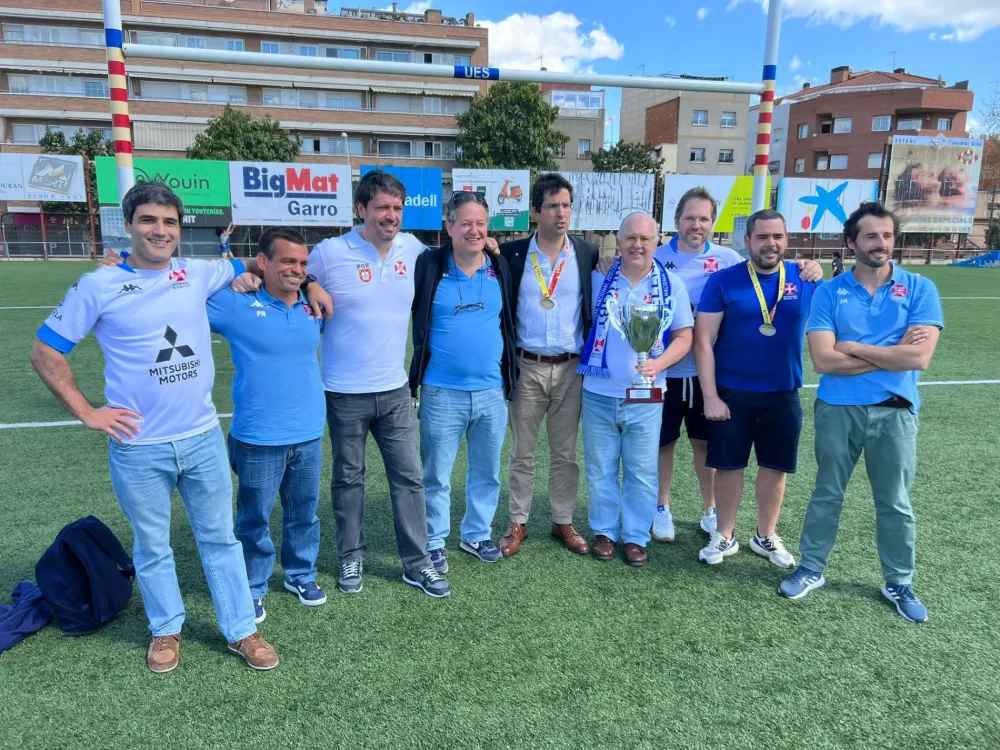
430	582
349	581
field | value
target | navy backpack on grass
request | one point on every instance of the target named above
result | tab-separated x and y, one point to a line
85	576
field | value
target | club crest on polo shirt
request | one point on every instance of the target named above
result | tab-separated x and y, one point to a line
490	272
899	291
179	277
711	265
399	267
364	273
791	291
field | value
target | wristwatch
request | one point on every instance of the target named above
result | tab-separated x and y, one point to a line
309	280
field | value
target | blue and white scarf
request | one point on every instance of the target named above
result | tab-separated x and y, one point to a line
595	349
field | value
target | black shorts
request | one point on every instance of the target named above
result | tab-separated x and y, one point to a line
686	405
768	422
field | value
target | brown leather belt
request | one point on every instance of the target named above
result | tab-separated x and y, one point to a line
547	359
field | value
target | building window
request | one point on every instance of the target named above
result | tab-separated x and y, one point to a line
199	93
344	53
725	156
432	105
394	148
95	88
308	99
272	97
90	38
465	60
161	40
842	125
838	161
392	56
583	148
822	162
234	45
558	153
343	101
825	127
335	146
698	155
875	160
307	50
311	145
803	131
17	84
728	120
911	124
392	103
829	236
194	42
881	123
270	48
944	123
12	33
699	117
237	95
800	166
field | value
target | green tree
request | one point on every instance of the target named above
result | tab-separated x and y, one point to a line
87	145
509	128
626	157
236	136
993	236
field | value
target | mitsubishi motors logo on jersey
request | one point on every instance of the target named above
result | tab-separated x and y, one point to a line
400	268
185	368
179	277
711	265
899	291
167	354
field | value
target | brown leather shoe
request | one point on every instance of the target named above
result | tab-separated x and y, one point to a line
257	652
603	548
510	542
571	540
635	555
163	653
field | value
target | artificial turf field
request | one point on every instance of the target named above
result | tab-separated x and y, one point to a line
546	649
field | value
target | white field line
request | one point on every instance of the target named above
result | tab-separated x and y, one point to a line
809	386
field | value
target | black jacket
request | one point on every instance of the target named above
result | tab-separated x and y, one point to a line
431	267
587	255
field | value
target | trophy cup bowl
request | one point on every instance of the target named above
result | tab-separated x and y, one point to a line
641	326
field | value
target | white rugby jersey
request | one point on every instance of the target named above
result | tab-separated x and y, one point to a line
153	329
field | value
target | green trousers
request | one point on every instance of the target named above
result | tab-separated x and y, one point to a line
888	438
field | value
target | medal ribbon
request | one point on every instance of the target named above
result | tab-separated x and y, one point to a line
768	314
548	289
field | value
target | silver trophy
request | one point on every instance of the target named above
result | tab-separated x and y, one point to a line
641	326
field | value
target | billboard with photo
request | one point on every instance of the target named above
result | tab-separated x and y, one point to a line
42	177
602	199
270	193
734	195
422	208
822	206
933	182
507	192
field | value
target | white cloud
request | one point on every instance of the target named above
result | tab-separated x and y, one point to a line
972	125
795	64
702	13
932	36
671	22
518	40
733	4
967	20
416	7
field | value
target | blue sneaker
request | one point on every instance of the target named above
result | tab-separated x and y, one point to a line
486	551
430	582
259	615
310	594
800	582
439	561
907	604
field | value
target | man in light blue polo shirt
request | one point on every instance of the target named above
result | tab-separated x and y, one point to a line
275	443
871	332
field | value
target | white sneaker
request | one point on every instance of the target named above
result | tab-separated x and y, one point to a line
709	522
773	549
663	526
718	548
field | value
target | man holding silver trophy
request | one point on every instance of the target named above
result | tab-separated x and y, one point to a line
623	363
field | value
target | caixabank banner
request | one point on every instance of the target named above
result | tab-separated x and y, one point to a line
270	193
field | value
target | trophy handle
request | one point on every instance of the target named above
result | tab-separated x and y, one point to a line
612	306
669	304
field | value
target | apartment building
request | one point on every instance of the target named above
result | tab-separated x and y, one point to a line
779	140
693	132
582	118
840	129
53	73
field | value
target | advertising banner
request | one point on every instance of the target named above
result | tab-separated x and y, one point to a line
42	177
423	208
602	199
268	193
933	182
507	192
813	206
733	193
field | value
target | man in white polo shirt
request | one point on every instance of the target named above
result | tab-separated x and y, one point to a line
369	274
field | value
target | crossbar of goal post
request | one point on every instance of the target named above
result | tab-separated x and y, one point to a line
463	72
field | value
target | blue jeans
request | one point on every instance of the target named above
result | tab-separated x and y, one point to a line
626	435
264	471
445	415
143	478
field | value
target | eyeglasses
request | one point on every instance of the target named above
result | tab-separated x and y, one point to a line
638	239
470	306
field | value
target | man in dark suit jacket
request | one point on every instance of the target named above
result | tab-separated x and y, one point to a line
551	297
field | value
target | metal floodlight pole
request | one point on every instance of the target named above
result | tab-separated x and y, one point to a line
118	94
761	196
463	72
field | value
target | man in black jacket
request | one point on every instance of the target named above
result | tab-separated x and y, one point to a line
551	297
463	360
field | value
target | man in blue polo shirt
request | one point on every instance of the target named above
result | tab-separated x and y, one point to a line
275	446
748	349
871	332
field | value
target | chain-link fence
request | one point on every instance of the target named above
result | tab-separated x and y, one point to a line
63	237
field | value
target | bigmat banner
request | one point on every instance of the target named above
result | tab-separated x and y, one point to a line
268	193
734	195
507	192
41	177
822	205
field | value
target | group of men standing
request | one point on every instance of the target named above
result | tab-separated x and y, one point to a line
510	335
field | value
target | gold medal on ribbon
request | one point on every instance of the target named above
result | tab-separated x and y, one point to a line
767	329
547	303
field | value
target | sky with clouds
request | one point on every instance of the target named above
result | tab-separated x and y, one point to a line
958	41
